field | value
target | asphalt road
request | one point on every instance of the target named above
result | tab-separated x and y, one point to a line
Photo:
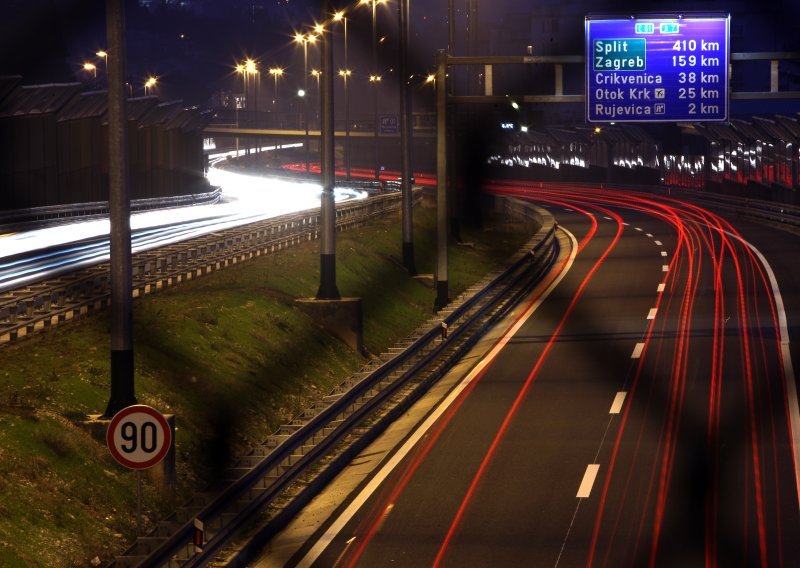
641	416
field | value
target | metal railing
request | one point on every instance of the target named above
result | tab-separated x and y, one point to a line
330	436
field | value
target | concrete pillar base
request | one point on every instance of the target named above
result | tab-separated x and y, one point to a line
343	318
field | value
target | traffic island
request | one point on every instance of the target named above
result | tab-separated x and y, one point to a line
343	318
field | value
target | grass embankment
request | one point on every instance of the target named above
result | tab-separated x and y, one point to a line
228	354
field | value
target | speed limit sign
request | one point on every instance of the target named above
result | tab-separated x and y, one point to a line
138	436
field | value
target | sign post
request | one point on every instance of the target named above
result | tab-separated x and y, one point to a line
657	68
138	437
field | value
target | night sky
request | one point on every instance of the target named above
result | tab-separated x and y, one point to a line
193	49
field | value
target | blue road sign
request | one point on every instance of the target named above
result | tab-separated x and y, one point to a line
389	124
657	69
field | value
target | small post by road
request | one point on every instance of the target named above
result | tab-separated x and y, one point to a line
122	380
442	293
327	287
405	142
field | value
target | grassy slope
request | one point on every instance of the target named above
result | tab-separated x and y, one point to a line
228	354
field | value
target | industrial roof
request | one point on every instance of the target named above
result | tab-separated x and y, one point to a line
85	105
38	99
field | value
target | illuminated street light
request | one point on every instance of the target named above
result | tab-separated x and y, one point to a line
374	77
149	84
305	40
90	67
344	74
430	79
276	72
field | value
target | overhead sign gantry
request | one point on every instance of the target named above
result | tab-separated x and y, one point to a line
657	69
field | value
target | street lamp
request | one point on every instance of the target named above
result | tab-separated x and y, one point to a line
90	67
344	74
374	77
305	40
276	72
149	84
104	55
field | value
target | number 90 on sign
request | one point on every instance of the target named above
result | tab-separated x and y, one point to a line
138	437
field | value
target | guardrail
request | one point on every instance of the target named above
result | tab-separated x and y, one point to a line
43	305
18	217
305	445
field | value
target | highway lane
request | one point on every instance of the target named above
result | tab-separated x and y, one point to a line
31	256
546	462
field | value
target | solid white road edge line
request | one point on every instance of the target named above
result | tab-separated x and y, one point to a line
788	368
337	526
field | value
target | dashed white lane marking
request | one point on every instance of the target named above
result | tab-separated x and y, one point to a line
616	406
661	287
650	235
639	229
637	351
665	268
658	243
607	218
652	314
663	253
626	224
588	480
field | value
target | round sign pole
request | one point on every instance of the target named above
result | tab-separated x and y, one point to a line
138	437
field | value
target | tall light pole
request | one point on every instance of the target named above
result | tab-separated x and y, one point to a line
327	287
403	13
345	74
374	76
316	73
149	84
102	54
276	72
305	40
119	209
90	68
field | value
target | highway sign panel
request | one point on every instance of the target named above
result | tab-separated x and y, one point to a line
389	124
657	68
138	436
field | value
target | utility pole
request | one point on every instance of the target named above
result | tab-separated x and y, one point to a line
119	206
327	287
403	11
442	292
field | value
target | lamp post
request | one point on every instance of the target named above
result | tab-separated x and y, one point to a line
305	40
403	14
90	68
345	74
374	76
316	73
327	287
276	72
104	56
149	84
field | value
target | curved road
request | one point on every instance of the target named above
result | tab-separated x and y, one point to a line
644	415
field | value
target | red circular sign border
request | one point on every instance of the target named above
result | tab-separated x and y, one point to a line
124	413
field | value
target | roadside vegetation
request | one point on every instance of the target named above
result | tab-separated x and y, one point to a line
229	355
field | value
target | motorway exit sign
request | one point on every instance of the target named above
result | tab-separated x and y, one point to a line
657	69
